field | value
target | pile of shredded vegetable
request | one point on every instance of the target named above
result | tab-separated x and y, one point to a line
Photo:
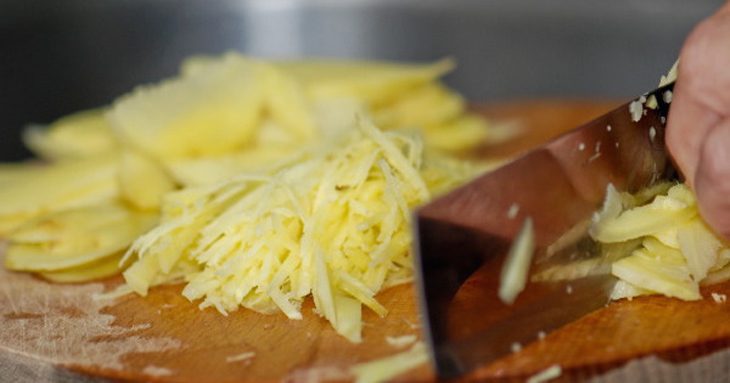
334	223
671	250
256	183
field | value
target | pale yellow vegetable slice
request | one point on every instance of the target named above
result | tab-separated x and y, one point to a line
193	65
79	135
213	170
580	268
516	268
18	172
71	224
681	192
324	299
427	105
374	82
212	111
285	99
647	194
720	275
382	370
662	251
660	215
142	180
723	258
103	268
10	222
623	289
288	104
141	274
546	375
671	75
665	273
349	318
75	237
659	218
359	290
56	187
613	205
699	246
335	115
668	237
307	97
464	133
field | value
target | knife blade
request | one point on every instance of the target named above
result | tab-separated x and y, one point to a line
462	238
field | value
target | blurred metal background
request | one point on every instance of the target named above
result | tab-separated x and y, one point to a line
57	57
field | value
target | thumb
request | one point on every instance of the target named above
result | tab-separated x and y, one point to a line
712	182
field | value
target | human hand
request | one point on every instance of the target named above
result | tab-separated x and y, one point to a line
698	129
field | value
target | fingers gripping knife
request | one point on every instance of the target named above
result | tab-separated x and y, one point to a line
463	237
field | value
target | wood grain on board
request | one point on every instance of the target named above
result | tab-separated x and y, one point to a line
58	333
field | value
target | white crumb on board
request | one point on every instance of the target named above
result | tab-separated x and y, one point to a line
541	335
514	209
667	96
581	146
401	341
63	324
243	357
548	374
516	347
719	298
608	128
652	133
152	370
569	289
411	325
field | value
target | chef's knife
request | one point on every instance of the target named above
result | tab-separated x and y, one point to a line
464	236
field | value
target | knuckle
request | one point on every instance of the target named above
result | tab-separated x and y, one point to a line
671	139
704	56
716	174
715	161
715	150
693	56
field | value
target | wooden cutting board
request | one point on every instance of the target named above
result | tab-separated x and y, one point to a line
58	333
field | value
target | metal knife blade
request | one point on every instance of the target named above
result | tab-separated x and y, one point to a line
462	238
